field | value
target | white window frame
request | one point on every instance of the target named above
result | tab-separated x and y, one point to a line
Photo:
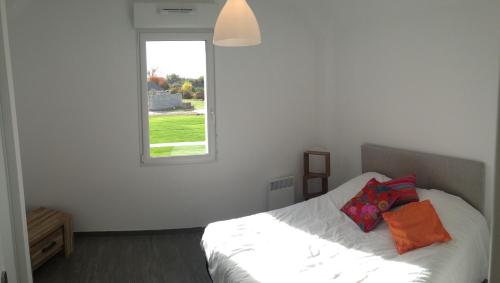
210	128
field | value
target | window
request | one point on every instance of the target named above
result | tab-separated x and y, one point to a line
177	97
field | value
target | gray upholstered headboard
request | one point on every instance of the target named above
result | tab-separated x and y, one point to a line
457	176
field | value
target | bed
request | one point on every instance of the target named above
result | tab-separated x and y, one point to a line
314	241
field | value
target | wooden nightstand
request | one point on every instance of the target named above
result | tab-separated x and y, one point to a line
315	175
49	232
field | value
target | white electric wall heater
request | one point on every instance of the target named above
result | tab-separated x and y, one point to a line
281	193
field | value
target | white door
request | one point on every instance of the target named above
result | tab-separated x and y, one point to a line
7	255
14	251
2	265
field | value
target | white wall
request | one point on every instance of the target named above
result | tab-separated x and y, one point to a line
421	75
73	60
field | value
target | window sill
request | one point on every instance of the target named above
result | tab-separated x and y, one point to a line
177	160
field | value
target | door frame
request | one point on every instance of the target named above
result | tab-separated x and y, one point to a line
7	240
14	190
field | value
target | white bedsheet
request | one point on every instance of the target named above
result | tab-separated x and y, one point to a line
315	242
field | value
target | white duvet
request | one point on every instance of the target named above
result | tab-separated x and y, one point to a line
315	242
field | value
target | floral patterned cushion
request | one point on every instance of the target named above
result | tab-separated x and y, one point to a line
366	208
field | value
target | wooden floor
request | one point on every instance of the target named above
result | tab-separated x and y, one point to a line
149	257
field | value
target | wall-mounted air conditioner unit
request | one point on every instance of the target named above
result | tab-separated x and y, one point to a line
172	11
175	15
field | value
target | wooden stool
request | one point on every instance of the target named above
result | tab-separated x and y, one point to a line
49	232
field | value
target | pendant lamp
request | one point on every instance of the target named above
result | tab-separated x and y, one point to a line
236	25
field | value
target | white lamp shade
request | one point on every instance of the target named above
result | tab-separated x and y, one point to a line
236	25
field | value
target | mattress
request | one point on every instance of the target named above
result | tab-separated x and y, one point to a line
313	241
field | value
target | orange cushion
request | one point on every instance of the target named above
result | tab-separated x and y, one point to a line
415	225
